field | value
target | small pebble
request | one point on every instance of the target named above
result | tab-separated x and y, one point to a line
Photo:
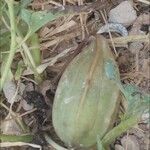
26	106
130	143
119	147
10	126
124	13
9	90
135	47
146	117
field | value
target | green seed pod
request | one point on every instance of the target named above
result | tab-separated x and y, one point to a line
86	100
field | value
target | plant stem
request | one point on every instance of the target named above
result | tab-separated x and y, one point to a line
12	51
35	51
118	130
16	138
26	49
29	57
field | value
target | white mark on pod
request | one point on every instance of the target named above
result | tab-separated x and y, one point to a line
69	99
84	84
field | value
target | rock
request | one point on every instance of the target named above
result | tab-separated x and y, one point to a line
124	13
10	126
26	106
143	19
135	47
130	143
113	27
139	134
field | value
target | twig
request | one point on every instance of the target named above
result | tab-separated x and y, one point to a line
28	112
28	79
3	105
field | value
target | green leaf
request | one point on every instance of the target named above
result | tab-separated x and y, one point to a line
19	70
4	40
26	15
25	3
36	20
1	8
138	101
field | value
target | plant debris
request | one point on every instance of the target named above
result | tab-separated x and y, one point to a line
36	98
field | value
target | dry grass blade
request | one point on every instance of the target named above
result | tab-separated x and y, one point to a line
60	39
50	61
130	38
144	1
112	42
74	9
54	60
80	2
55	3
64	27
10	144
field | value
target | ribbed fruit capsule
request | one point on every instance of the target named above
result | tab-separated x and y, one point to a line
86	100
